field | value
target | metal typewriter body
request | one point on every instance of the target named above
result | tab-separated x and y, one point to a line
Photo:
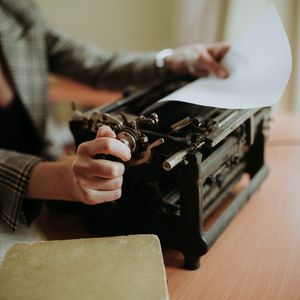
186	160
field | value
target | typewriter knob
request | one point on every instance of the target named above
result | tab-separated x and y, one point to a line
128	139
220	179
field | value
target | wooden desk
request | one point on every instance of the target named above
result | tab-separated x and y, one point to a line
258	255
64	91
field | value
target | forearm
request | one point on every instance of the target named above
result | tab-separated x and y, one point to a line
99	68
15	172
52	181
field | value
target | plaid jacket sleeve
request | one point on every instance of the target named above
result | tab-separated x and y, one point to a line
99	68
15	170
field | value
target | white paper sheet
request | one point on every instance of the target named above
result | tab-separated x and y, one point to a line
259	65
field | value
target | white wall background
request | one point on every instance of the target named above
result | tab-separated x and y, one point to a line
157	24
114	24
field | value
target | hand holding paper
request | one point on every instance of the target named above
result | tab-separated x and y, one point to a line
259	65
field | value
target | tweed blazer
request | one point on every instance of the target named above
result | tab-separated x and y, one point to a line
32	50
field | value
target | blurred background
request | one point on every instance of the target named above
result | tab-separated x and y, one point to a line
154	25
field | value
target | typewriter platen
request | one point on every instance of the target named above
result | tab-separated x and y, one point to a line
186	161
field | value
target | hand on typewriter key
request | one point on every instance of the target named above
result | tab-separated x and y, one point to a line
199	60
99	180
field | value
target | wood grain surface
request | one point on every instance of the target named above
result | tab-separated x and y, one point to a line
258	255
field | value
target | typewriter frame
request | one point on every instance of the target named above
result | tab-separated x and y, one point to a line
185	231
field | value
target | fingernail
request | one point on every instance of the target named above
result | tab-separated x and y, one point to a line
223	74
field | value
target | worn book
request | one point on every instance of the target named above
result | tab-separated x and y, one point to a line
113	268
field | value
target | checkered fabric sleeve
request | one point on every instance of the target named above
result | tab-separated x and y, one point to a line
99	68
15	170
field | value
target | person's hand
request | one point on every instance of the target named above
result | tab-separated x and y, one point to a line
198	60
99	180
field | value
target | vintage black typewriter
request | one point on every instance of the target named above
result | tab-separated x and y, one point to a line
186	161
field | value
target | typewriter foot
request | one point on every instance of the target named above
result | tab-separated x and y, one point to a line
191	262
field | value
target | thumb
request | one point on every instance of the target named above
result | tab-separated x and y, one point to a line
105	131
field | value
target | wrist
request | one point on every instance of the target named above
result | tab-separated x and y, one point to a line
161	58
51	180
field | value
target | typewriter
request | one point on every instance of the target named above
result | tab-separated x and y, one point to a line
186	162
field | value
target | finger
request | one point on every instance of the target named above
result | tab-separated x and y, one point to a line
218	50
199	72
92	197
105	145
100	184
208	62
105	131
223	50
98	168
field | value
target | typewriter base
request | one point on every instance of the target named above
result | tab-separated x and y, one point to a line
182	234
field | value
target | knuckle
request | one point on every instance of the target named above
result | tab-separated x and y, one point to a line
84	195
106	146
103	128
83	148
89	198
116	194
89	201
116	170
92	199
78	182
118	182
77	168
